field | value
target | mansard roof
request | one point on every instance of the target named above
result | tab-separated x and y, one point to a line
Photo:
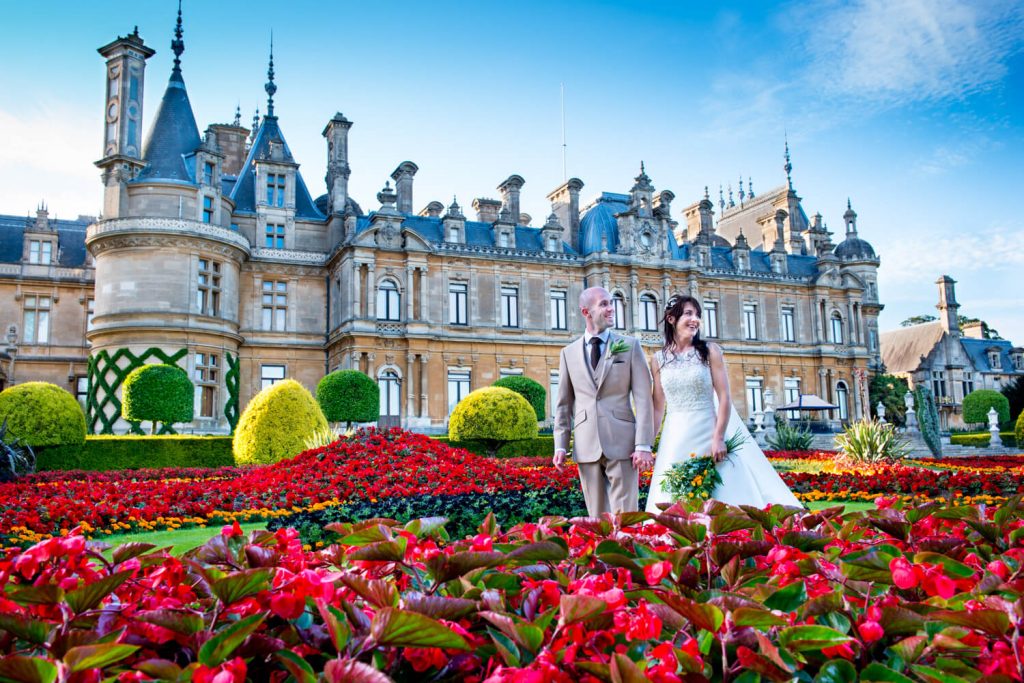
477	234
902	349
244	192
173	136
977	350
71	250
598	223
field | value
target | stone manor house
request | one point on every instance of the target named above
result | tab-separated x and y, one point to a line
213	253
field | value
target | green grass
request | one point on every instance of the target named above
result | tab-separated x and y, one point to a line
851	506
181	540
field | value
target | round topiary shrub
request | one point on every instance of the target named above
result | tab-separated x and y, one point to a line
1018	432
977	404
532	391
348	396
158	393
42	414
276	424
493	415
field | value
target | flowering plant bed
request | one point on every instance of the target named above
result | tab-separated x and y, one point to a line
926	593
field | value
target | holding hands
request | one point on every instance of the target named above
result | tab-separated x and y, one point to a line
642	460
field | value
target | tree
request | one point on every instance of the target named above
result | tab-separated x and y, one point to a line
160	393
348	396
917	320
977	404
493	415
987	332
1014	393
889	390
529	389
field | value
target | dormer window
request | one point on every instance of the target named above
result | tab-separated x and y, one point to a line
993	360
208	169
207	209
453	234
503	240
275	189
40	252
1018	359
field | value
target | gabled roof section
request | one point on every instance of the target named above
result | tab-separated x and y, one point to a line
270	145
977	350
902	349
173	136
71	250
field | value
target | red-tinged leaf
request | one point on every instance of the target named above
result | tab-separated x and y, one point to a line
727	522
258	556
526	635
180	621
340	528
218	648
127	551
806	540
542	551
693	532
573	608
382	551
439	607
215	551
897	621
91	595
489	526
353	671
375	591
803	638
769	650
596	669
242	584
595	525
624	670
726	550
444	568
760	619
626	519
506	647
298	667
704	616
428	527
953	568
670	619
952	643
398	628
158	668
910	649
375	533
26	628
97	656
879	673
47	594
993	622
931	675
763	666
27	669
337	625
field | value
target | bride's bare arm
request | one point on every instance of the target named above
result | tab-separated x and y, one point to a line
720	382
658	398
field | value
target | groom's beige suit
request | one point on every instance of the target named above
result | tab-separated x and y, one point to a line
594	406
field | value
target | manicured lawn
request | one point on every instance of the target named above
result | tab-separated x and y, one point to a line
851	506
181	539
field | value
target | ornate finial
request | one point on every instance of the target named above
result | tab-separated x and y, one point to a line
731	202
642	167
848	206
270	87
788	166
721	199
238	115
177	45
706	193
750	187
742	193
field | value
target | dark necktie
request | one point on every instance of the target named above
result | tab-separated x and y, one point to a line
595	351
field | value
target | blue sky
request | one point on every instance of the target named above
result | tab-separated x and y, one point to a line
914	109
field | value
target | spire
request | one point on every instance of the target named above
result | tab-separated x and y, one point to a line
731	202
721	199
238	115
788	167
177	45
743	194
270	87
255	124
750	187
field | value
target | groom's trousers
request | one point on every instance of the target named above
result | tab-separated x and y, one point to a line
609	486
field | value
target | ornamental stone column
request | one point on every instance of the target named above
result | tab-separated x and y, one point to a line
410	397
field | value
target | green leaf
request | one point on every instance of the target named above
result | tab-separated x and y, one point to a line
802	638
336	623
38	595
506	647
879	673
371	534
992	622
787	599
377	592
625	519
910	649
932	675
158	668
806	540
439	607
383	551
27	669
398	628
179	621
428	527
624	670
241	584
444	568
573	608
220	646
836	671
952	567
32	630
760	619
90	595
127	551
352	671
541	551
900	621
298	667
97	656
727	522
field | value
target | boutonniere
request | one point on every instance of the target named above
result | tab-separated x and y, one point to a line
618	346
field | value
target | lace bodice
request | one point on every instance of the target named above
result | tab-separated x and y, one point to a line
686	382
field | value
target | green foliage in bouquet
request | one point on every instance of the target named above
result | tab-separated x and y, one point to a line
695	478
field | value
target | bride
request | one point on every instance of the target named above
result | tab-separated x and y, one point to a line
689	374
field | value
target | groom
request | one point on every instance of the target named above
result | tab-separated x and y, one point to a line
597	375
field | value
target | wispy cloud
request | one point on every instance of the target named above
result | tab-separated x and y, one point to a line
987	251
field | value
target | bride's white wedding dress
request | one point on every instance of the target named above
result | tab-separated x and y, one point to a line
690	413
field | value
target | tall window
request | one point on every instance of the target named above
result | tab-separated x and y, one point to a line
37	319
619	303
837	328
788	329
206	383
453	234
389	301
458	387
82	392
755	395
275	189
872	340
457	304
40	252
208	290
390	402
553	379
843	401
968	383
510	307
275	305
208	173
558	310
939	384
270	375
710	318
503	239
274	238
90	312
791	390
648	313
750	321
207	209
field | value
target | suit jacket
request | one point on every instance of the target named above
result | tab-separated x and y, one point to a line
595	406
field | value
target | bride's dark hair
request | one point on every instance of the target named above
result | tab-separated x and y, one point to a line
674	309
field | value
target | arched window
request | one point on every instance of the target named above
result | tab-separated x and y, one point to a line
619	302
389	301
837	328
390	401
843	401
648	312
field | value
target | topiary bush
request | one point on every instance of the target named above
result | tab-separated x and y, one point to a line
276	424
978	402
1018	432
42	414
158	393
103	452
928	419
532	391
348	396
493	415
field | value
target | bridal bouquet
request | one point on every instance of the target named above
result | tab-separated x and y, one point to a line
696	478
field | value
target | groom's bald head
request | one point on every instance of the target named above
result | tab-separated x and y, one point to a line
596	308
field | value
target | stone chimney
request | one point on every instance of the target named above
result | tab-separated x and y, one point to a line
974	330
777	256
433	209
486	209
403	176
338	170
948	307
231	139
565	204
510	195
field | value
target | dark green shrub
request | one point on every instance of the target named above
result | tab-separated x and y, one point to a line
1014	393
538	445
928	419
1018	432
276	424
889	390
983	440
348	396
532	391
158	393
42	414
107	452
978	402
493	415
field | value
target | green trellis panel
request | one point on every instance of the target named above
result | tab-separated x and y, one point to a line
231	384
105	378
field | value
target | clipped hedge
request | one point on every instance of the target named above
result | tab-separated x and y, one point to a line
158	393
348	396
977	404
1018	432
106	452
42	414
529	389
982	440
538	445
493	415
276	424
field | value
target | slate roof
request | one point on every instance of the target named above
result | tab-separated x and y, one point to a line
854	248
902	349
977	350
477	234
70	239
173	137
598	222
